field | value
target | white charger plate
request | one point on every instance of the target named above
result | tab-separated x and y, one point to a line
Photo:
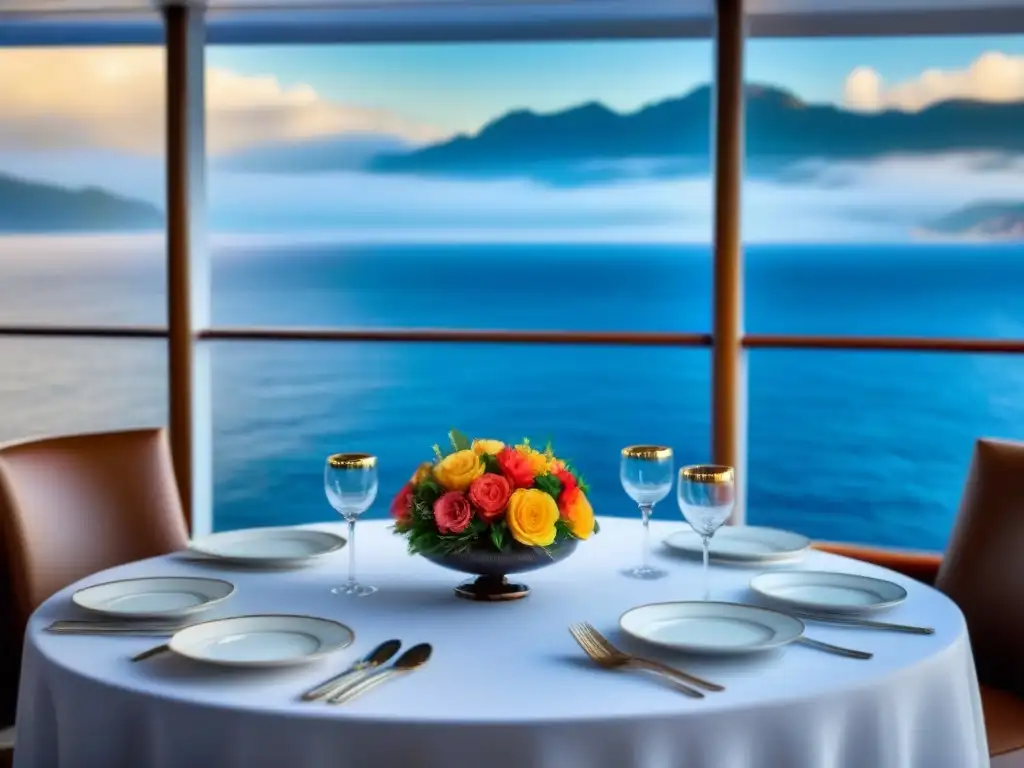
743	544
827	592
278	547
160	597
271	640
706	627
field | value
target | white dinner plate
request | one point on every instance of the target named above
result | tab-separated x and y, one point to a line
162	597
823	591
711	628
271	640
268	547
743	544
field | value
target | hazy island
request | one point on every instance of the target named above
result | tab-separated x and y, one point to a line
981	221
28	207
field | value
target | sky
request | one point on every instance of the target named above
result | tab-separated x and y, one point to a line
112	98
460	87
78	117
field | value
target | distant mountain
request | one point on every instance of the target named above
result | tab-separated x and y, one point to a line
28	206
344	152
989	221
781	129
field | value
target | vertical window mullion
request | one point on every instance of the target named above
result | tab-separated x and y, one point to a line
728	367
188	264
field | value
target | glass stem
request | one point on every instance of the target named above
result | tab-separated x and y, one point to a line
706	541
352	550
645	512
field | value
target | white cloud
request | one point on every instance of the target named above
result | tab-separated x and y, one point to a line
993	76
113	98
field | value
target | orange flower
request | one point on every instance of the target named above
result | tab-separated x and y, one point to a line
489	494
516	468
539	463
580	516
423	471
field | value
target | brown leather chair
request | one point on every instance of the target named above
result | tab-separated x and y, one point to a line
72	506
983	572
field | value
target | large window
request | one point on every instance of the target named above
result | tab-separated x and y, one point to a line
884	198
81	239
371	206
503	187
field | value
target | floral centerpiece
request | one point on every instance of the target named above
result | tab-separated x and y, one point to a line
491	509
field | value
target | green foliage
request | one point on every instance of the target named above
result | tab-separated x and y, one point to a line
548	483
459	441
579	478
562	531
491	464
498	535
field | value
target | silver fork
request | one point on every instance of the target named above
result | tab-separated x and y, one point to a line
609	660
627	658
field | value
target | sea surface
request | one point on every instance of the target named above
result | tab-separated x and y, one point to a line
859	446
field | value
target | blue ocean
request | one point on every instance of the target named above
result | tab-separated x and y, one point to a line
858	446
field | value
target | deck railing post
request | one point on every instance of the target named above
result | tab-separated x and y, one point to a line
188	295
729	371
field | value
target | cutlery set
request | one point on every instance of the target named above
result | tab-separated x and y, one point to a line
606	655
370	672
363	676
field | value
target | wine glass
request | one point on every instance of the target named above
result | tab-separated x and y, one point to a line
707	493
646	474
350	480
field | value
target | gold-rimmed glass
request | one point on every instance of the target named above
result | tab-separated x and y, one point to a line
350	481
646	474
707	495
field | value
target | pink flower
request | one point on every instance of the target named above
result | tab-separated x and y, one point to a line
452	512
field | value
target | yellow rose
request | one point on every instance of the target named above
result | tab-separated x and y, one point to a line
531	517
580	517
492	447
539	463
457	471
422	473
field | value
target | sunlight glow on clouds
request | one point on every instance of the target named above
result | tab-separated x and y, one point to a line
113	98
993	76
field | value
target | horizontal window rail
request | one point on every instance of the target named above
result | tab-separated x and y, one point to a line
615	338
883	343
86	331
598	338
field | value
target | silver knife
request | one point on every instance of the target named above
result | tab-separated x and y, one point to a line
838	650
379	655
411	660
102	628
856	621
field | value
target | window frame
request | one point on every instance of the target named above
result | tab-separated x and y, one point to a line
188	330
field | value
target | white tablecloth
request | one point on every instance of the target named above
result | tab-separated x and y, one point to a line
507	686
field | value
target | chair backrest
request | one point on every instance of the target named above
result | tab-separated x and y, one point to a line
983	569
72	506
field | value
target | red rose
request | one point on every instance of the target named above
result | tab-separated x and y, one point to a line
401	505
452	512
489	494
516	468
570	489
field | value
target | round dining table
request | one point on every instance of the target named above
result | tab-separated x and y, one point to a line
507	685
